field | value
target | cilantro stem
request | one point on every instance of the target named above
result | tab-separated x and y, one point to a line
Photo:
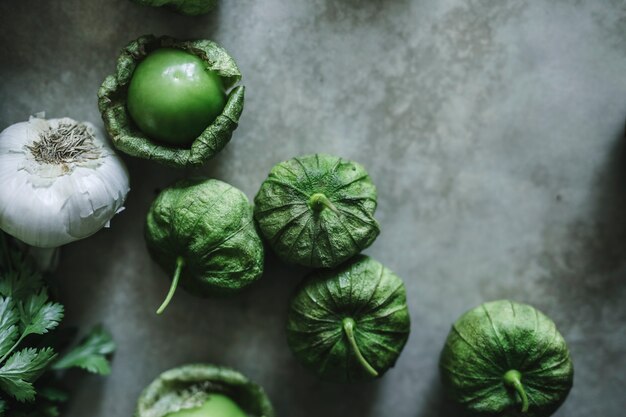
6	355
348	328
180	262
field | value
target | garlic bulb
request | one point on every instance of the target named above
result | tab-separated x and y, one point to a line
60	181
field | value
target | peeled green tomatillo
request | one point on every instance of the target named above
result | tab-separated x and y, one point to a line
172	97
188	100
203	390
216	405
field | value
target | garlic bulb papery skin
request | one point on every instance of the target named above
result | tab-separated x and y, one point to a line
60	181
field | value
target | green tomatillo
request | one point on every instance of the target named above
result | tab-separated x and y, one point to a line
172	97
202	233
317	210
216	405
172	101
506	359
349	323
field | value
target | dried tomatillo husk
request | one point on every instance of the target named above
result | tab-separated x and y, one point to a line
349	323
202	233
188	387
112	102
317	210
506	359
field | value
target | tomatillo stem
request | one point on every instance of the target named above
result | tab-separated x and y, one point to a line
513	379
319	202
180	262
348	328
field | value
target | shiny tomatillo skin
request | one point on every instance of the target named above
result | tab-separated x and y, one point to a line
203	390
217	405
125	134
173	97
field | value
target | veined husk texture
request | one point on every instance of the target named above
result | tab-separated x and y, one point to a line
303	235
208	223
187	387
364	291
494	338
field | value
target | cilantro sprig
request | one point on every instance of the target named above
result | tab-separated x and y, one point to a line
30	366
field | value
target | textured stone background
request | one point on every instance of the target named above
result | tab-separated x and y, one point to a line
493	129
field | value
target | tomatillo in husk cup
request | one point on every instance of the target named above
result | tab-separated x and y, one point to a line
201	390
172	101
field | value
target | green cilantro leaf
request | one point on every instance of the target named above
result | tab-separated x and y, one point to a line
90	354
39	316
21	283
19	278
25	309
51	410
8	325
53	394
22	369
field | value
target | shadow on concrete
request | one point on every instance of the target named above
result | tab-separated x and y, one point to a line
313	398
437	404
589	271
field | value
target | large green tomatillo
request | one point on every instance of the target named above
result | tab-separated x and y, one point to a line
202	232
166	138
505	359
349	323
317	210
203	391
172	97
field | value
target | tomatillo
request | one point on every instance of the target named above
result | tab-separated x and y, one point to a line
216	405
127	136
173	97
203	390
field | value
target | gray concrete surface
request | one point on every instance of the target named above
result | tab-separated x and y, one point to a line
493	129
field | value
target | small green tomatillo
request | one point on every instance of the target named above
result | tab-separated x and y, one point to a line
173	97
